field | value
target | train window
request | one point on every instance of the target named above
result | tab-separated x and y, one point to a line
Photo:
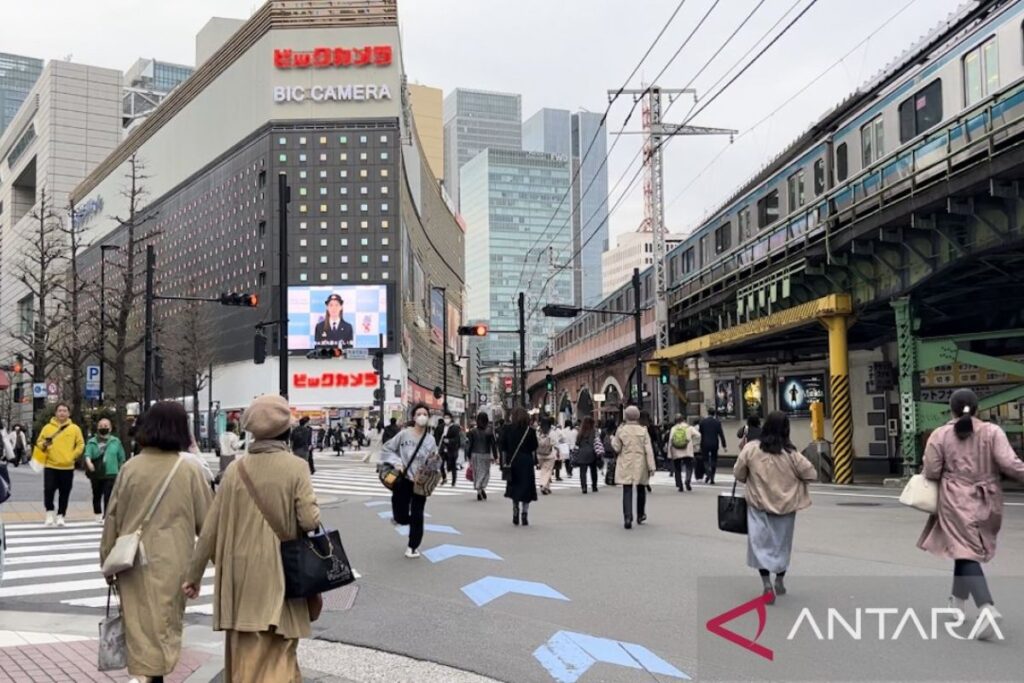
921	111
796	190
819	177
723	238
981	72
743	220
688	260
842	165
768	209
872	142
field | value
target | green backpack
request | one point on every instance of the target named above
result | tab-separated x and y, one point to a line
680	437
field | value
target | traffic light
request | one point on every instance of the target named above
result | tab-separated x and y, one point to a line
158	366
378	362
325	352
239	299
19	363
259	348
18	392
438	392
663	373
473	330
378	394
549	382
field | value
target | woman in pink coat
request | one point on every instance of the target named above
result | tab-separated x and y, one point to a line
966	456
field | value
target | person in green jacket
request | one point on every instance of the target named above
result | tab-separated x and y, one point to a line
104	456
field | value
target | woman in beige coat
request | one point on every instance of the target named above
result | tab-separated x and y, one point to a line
263	628
151	593
776	475
967	457
633	466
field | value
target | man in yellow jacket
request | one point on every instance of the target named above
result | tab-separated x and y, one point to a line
59	445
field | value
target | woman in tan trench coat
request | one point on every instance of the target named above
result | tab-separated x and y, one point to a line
150	594
634	465
967	456
263	628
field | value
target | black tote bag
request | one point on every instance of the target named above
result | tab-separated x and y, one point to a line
732	512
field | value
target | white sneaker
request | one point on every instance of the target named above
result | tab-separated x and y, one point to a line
49	519
60	520
988	631
99	519
412	554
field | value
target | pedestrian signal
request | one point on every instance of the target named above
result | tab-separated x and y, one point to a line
473	330
549	382
663	373
378	394
259	348
378	362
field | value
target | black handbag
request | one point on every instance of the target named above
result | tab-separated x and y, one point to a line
732	512
312	564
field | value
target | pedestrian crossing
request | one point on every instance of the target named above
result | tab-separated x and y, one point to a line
61	566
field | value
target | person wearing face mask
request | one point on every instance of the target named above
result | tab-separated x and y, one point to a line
104	456
60	444
410	451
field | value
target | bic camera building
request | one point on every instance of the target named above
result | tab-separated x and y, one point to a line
315	93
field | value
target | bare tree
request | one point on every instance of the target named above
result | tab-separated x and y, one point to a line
131	262
38	269
191	348
72	350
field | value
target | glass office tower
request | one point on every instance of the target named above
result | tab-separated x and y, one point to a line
17	76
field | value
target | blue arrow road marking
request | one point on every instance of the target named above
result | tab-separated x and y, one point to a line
492	587
436	528
388	514
445	552
567	656
375	503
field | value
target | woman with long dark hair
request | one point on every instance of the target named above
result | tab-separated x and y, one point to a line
589	452
411	451
483	451
966	457
518	460
776	475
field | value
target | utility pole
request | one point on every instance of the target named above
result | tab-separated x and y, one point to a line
515	379
522	349
655	130
638	339
147	382
284	196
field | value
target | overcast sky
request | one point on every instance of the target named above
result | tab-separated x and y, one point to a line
565	54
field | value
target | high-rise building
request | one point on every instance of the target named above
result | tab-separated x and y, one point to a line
428	114
17	76
507	198
583	138
632	250
146	84
475	120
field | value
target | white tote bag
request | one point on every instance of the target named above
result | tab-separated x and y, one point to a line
921	494
128	548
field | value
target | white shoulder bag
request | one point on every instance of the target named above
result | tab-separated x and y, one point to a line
921	494
128	549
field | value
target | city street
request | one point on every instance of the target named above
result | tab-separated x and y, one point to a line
502	601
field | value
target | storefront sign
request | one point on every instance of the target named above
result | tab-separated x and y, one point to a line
725	398
336	57
328	380
753	397
332	93
798	392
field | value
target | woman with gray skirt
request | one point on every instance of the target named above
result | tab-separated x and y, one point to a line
776	475
483	451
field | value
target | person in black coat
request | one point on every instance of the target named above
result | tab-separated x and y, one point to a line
519	461
448	436
711	434
302	442
390	431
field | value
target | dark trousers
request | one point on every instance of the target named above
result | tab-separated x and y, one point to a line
627	501
407	508
593	476
450	463
969	580
680	464
558	470
57	481
101	489
710	463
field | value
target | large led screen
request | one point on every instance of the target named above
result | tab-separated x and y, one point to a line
349	316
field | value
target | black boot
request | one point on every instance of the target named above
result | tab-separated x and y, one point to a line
526	520
515	516
780	587
628	523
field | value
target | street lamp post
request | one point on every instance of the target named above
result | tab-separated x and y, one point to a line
104	248
561	311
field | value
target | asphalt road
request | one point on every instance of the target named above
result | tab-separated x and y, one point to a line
654	586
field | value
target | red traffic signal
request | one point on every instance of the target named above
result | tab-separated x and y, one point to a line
473	330
246	299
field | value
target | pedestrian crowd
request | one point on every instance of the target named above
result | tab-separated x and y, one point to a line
160	504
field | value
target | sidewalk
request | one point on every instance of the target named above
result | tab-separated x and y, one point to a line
52	648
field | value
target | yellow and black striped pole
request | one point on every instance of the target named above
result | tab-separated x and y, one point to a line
839	387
